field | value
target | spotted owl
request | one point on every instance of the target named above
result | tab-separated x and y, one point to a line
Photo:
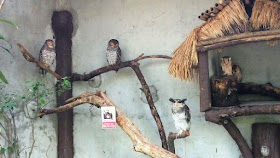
226	65
181	115
114	52
47	54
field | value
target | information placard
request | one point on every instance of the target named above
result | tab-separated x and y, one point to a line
108	115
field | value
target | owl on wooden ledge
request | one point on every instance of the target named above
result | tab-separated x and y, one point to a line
228	69
181	115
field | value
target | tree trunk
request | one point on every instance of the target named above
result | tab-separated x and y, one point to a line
266	140
224	91
63	28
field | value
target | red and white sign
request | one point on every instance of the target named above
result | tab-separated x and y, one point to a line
108	115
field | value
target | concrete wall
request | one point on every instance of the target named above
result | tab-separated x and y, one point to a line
33	18
150	27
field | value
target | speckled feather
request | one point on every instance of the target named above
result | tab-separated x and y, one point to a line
113	55
181	116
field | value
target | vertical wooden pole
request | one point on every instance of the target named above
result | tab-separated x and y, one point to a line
204	82
63	28
266	140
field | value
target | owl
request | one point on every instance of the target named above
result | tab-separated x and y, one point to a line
226	65
181	115
113	53
47	54
236	71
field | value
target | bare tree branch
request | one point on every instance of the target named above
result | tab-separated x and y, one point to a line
135	66
172	137
32	59
140	142
132	64
237	137
147	92
92	74
216	114
2	4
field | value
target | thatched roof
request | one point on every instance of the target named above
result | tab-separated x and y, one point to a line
231	19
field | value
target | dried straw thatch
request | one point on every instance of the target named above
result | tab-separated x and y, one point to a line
233	19
266	16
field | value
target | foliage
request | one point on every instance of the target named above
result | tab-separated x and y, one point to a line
8	50
3	78
63	85
37	91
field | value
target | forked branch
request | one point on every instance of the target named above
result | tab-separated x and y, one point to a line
132	64
102	70
172	137
140	142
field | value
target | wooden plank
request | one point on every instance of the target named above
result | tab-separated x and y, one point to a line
249	37
204	82
266	140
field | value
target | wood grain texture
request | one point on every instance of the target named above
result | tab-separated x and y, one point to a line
204	82
227	41
266	136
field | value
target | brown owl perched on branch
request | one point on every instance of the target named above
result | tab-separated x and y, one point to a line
226	65
47	55
114	52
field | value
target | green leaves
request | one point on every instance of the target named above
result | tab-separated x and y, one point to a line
8	50
38	92
3	78
9	23
64	85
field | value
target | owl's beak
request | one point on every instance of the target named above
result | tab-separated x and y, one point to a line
176	104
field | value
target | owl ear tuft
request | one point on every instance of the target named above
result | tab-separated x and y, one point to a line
172	100
183	100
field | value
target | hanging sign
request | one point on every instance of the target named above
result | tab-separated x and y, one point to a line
108	115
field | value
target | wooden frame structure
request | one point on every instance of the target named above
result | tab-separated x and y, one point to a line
222	116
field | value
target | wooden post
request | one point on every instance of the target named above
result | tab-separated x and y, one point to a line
204	82
63	28
224	91
266	140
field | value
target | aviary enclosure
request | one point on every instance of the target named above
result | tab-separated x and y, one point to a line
229	85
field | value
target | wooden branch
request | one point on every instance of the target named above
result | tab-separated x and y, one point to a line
32	59
135	66
216	114
147	92
2	4
172	137
237	137
243	38
262	89
92	74
140	142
